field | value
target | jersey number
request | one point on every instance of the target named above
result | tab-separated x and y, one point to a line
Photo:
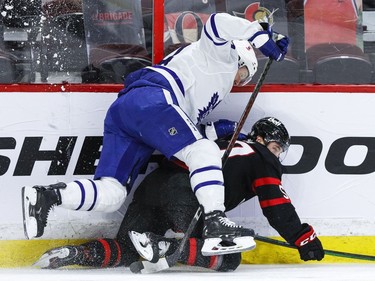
240	149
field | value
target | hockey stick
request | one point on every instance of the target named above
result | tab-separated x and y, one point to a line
328	252
246	111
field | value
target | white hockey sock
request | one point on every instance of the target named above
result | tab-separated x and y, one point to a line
211	198
206	178
104	195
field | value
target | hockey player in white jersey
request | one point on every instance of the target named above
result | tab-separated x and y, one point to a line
160	108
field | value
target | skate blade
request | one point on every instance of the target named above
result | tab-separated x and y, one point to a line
212	246
146	267
140	242
30	226
45	260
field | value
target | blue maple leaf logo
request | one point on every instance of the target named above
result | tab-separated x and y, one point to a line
211	105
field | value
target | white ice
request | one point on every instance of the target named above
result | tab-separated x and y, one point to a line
294	272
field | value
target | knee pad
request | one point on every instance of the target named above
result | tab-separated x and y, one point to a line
199	154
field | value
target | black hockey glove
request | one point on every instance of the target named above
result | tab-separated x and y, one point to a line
308	244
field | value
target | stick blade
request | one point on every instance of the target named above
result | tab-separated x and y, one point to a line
145	267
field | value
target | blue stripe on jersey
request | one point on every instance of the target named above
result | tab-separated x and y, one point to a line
179	50
213	26
175	77
83	194
95	195
204	169
255	35
214	30
206	183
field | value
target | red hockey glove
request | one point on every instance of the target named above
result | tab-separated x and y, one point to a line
308	244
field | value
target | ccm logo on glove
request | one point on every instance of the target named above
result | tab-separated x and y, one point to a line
306	238
308	244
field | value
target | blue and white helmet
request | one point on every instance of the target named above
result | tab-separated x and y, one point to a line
246	57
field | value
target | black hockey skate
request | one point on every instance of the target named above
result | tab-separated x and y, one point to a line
37	201
222	236
151	246
60	257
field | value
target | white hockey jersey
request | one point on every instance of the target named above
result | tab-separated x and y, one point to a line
202	73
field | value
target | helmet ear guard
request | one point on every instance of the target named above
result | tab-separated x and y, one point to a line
271	129
246	57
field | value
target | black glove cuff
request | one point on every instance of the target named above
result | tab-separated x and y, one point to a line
265	25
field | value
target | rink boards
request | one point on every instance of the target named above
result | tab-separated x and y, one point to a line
55	136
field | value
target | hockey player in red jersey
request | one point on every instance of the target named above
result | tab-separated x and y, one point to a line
164	202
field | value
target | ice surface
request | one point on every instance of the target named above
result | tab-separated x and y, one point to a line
308	272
